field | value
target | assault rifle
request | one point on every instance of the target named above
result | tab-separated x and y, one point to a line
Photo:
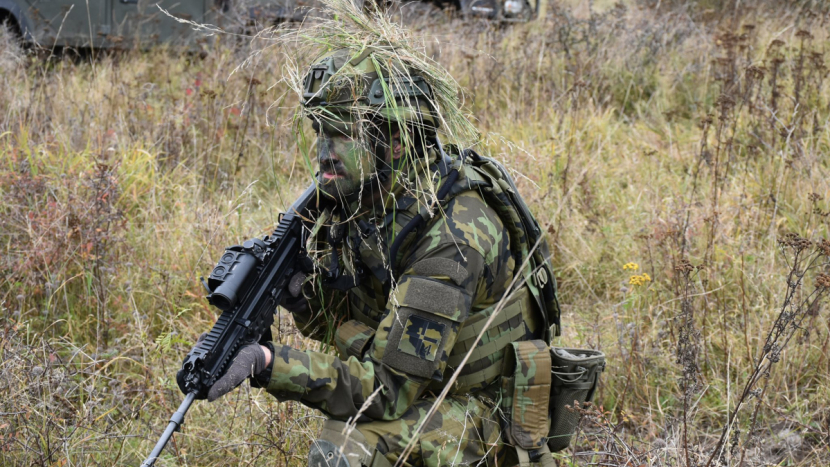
247	285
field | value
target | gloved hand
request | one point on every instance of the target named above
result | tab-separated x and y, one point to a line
249	361
294	301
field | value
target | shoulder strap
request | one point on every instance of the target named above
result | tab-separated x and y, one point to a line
525	237
449	174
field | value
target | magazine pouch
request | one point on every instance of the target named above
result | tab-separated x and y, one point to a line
526	393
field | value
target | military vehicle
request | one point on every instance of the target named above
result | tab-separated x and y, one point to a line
125	23
105	23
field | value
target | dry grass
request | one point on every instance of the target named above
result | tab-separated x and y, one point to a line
686	144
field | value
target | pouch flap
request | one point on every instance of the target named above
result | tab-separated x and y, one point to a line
434	296
528	365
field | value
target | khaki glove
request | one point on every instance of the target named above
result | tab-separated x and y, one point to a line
249	361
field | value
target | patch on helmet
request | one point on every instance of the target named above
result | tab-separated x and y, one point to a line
421	338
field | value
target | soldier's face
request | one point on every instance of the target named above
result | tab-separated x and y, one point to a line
346	163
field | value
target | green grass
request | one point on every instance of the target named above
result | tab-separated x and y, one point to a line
123	178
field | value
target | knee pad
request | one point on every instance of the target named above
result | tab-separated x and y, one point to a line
324	453
334	448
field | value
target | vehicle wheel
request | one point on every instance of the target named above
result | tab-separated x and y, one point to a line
11	44
9	26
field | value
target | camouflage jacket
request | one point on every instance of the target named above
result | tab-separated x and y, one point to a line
397	341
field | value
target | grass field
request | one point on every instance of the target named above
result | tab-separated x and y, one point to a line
678	155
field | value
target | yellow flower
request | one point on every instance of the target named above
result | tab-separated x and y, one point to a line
639	279
631	266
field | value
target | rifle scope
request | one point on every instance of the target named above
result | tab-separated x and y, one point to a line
228	281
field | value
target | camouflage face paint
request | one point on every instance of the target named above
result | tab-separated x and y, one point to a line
346	163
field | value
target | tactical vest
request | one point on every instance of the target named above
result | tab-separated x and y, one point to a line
535	289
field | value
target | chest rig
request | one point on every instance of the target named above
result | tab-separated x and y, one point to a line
372	253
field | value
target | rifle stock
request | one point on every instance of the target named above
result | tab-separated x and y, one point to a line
247	285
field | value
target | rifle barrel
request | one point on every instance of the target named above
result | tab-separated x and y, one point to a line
175	422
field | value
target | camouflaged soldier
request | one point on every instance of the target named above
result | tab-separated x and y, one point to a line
409	259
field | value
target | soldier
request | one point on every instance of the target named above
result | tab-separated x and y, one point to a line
414	249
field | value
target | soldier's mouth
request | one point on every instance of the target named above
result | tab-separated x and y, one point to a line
331	175
331	169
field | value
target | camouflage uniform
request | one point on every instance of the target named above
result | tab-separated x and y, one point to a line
404	348
405	307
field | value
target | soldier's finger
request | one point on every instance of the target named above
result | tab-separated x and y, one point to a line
226	383
295	285
249	361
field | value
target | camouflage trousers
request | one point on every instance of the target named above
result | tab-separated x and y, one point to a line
463	431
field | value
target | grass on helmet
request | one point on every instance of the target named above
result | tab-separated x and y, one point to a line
394	48
396	54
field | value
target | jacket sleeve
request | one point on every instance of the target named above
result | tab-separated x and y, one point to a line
435	294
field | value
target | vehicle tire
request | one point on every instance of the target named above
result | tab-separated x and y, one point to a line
11	43
8	25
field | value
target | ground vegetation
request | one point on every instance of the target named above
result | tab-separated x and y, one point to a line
676	153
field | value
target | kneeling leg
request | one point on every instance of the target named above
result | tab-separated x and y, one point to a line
337	447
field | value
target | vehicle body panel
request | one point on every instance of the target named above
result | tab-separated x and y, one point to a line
127	23
143	22
106	23
67	22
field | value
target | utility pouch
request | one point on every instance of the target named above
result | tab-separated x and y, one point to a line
352	339
525	390
575	376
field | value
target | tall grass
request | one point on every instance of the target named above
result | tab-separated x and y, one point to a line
669	154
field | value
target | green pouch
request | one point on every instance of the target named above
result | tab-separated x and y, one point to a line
526	387
575	376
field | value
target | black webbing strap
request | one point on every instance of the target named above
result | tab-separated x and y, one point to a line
333	277
415	223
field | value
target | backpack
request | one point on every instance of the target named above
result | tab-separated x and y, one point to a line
527	244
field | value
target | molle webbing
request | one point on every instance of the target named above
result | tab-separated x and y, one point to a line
493	341
475	325
467	382
489	348
485	363
518	219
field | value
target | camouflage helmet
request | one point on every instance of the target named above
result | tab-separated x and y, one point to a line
346	86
